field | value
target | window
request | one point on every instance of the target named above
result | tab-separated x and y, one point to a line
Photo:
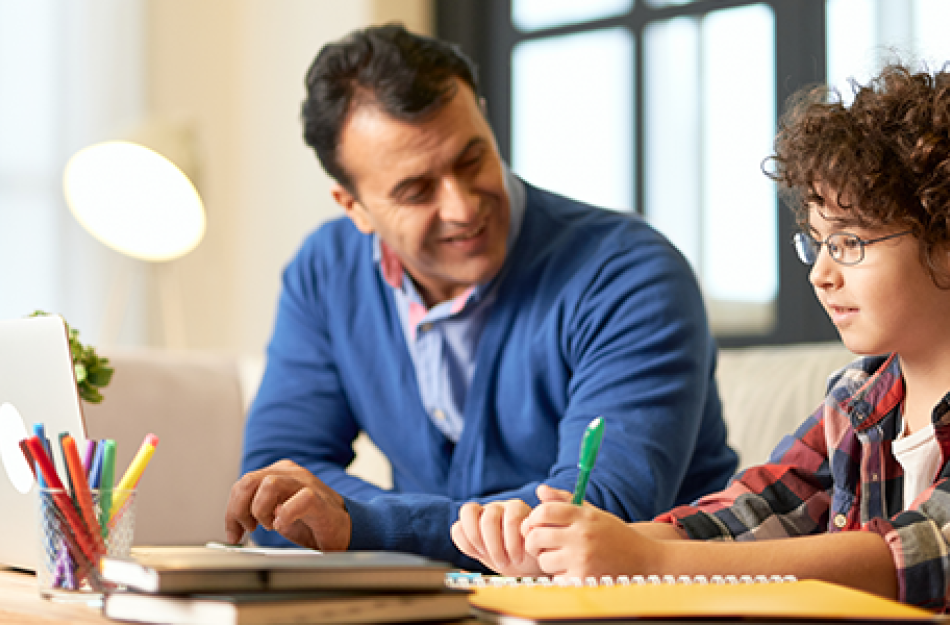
668	108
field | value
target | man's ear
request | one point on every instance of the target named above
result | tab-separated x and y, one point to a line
354	209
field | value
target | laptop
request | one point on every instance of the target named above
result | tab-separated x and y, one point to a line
37	385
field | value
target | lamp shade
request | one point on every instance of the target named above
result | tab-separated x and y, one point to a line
134	200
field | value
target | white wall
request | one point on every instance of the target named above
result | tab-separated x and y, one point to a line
234	70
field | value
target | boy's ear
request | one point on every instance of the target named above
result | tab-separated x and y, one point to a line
354	209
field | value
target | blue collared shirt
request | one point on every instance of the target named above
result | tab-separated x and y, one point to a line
442	341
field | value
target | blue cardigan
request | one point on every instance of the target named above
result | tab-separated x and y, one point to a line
597	314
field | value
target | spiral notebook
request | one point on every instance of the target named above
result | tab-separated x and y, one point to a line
773	599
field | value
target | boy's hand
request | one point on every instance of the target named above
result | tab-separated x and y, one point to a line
492	534
584	541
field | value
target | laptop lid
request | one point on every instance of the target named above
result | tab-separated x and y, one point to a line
37	385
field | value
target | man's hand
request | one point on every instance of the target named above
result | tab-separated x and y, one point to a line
492	534
289	499
583	541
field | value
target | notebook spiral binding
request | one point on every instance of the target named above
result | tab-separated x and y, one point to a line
466	581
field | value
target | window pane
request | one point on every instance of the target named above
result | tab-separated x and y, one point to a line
673	166
572	115
530	15
862	35
930	29
738	106
710	120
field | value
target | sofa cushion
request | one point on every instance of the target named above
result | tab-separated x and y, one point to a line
193	402
767	392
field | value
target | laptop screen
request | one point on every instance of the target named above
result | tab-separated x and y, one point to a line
37	385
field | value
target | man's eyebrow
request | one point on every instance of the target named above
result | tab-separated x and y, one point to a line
402	185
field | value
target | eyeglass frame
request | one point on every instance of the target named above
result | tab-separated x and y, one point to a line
801	239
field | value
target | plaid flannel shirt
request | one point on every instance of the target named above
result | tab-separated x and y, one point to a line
838	473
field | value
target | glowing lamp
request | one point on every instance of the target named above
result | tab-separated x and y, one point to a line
134	200
137	197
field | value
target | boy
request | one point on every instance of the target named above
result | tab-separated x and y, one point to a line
860	489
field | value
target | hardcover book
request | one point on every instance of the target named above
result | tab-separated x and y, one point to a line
206	570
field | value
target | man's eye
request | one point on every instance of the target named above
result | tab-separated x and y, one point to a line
417	194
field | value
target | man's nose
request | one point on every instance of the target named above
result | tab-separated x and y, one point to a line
458	202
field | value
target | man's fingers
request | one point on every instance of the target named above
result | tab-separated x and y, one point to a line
295	507
272	491
237	516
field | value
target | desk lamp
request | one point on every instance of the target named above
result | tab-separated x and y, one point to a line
135	196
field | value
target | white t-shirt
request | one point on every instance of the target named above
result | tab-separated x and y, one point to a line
919	455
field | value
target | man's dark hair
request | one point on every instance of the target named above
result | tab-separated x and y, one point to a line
408	76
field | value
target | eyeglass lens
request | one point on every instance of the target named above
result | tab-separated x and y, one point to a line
845	248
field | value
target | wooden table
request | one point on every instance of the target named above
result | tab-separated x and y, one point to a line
21	604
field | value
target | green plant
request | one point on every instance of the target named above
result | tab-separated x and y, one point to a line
92	372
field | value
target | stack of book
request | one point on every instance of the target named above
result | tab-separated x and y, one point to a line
236	586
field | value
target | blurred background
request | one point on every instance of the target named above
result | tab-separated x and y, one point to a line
662	107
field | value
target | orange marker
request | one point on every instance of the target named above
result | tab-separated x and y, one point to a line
81	494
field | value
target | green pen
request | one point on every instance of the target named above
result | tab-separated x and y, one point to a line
590	445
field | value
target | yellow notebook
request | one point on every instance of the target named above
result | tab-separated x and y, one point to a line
806	600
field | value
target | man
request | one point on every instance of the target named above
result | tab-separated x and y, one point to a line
470	323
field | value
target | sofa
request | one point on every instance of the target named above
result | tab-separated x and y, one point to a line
196	403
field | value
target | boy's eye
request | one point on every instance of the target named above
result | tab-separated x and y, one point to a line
850	243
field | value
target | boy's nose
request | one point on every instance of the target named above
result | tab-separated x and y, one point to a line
825	272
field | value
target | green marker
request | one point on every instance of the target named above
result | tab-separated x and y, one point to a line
590	445
106	485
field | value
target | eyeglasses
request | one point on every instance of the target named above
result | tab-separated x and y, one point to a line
845	248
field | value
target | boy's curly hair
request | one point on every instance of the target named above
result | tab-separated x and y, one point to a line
886	157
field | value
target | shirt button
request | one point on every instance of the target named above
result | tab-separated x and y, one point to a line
840	521
438	414
425	327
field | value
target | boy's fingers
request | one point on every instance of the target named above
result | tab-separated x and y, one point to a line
470	521
549	494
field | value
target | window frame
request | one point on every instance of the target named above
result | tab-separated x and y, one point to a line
484	31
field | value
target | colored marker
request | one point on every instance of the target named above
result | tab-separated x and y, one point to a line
75	528
590	446
95	471
39	430
134	472
81	494
106	480
89	452
29	457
